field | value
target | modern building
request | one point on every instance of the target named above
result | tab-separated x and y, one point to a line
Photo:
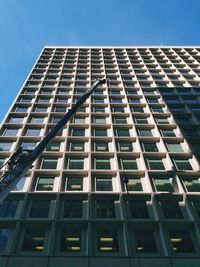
120	184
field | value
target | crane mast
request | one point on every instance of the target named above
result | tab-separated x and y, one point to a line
22	160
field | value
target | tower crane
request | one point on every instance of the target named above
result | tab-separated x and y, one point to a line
22	160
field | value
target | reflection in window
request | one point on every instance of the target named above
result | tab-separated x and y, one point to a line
181	241
70	240
33	240
107	241
145	241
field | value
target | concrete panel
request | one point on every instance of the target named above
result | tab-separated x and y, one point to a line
155	262
27	261
3	261
185	262
111	262
67	262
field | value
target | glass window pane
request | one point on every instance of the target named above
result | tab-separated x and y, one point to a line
163	185
73	209
181	241
33	240
105	209
104	184
74	183
107	241
8	208
76	163
155	164
138	209
45	184
102	163
49	163
4	235
145	241
5	146
40	209
70	240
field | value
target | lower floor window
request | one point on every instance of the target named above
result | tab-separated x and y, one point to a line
33	240
145	241
181	241
107	240
70	240
4	235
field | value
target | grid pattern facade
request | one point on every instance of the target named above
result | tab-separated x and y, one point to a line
120	184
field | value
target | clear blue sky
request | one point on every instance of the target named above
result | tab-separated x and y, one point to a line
27	25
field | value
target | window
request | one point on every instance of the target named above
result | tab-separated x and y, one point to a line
145	241
5	146
116	100
155	164
29	145
49	163
33	132
74	183
78	120
149	147
100	132
78	132
99	109
181	241
102	163
77	146
104	184
118	109
70	240
4	235
45	184
21	109
43	100
100	146
162	120
11	132
192	184
171	209
20	185
128	164
98	100
37	120
163	184
167	133
133	184
40	208
141	120
174	147
59	109
182	164
122	132
144	132
137	109
107	241
125	146
104	209
76	163
40	109
16	120
8	208
138	209
33	240
99	120
119	120
53	146
73	208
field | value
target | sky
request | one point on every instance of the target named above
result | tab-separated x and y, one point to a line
26	26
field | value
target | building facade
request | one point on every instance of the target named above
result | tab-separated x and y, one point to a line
120	184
